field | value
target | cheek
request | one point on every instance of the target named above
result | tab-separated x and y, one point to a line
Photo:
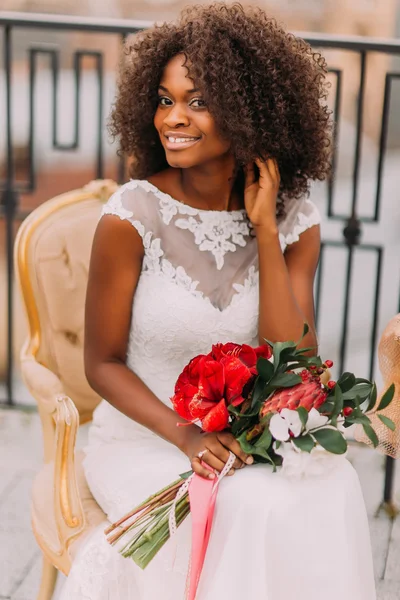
158	119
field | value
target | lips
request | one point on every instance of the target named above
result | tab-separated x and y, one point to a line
179	141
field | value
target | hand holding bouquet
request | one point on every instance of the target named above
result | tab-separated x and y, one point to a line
268	405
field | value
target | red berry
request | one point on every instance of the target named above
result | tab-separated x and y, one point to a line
347	411
304	375
329	364
331	384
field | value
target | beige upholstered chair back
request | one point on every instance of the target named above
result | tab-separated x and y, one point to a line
53	258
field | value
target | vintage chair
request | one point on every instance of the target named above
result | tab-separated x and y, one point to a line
52	252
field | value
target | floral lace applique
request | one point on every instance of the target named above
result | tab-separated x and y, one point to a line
217	232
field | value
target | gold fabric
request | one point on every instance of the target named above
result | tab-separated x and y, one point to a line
389	364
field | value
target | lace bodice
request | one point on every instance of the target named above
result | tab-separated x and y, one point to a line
199	279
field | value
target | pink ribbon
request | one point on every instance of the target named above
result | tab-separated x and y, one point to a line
202	496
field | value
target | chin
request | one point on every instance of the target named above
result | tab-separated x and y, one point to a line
181	162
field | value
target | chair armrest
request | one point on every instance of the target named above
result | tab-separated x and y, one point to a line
68	508
60	422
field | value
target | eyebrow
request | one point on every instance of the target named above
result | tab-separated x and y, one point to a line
164	89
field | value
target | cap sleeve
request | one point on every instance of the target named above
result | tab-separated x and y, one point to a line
300	216
131	203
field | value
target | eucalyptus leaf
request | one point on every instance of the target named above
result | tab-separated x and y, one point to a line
304	443
278	349
372	398
388	422
387	397
331	439
369	431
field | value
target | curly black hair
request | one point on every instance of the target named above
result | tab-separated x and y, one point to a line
265	88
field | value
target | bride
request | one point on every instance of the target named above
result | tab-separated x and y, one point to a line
223	116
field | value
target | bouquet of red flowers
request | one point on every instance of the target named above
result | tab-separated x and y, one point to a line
272	399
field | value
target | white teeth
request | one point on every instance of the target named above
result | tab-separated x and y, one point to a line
180	140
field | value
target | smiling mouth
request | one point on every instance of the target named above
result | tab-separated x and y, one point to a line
180	143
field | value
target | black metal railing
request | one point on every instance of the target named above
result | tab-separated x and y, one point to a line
11	189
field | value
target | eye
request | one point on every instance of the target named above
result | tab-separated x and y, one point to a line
164	101
197	103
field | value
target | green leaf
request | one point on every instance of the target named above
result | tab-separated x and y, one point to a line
280	348
371	434
306	329
265	368
361	389
244	444
387	397
186	475
388	422
346	381
361	380
258	392
303	414
285	380
264	441
358	419
327	407
331	439
304	443
372	398
338	401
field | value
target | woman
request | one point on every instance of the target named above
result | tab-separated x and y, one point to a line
214	240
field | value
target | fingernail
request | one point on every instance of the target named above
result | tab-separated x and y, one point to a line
211	476
249	460
231	472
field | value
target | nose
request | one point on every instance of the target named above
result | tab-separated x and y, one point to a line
177	116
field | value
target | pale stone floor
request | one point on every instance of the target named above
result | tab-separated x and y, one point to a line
20	559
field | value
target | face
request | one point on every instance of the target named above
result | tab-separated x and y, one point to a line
187	130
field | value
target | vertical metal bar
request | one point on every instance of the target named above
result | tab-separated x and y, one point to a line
335	139
389	480
10	206
374	327
343	338
99	157
121	162
31	143
383	140
360	111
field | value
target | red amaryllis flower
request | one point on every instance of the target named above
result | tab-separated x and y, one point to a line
309	394
245	353
208	384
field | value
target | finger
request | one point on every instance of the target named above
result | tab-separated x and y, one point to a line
269	169
199	469
221	452
265	172
275	169
249	174
230	442
213	461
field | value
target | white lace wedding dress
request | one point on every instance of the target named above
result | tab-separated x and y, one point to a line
273	538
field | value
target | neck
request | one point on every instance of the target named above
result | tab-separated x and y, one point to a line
212	186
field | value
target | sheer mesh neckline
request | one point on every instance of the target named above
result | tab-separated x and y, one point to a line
145	184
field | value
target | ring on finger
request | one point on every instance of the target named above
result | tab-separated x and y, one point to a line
202	453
